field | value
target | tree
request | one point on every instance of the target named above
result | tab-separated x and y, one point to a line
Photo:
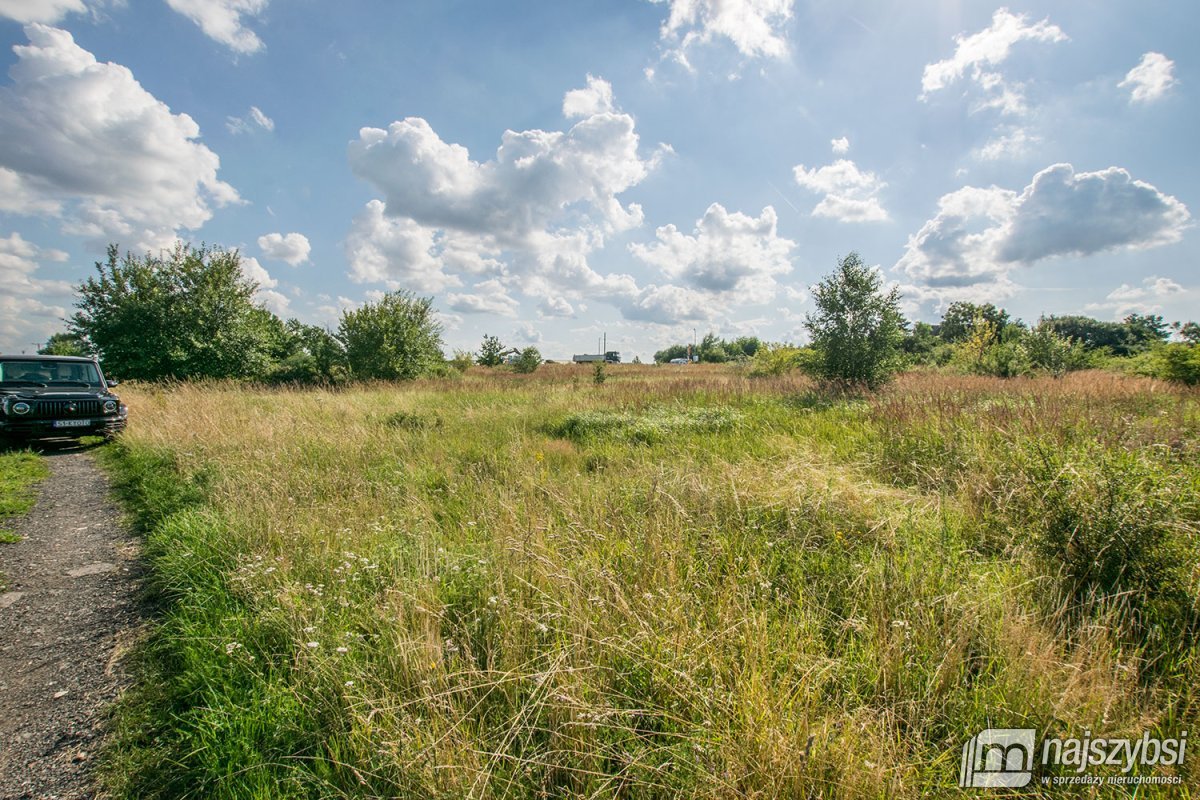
64	344
311	355
186	313
490	352
857	329
397	338
961	318
669	353
528	361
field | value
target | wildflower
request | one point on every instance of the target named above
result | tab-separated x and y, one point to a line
343	649
229	648
313	645
348	683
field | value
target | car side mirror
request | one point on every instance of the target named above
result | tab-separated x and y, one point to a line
112	383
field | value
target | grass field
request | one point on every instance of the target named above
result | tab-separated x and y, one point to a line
19	473
679	583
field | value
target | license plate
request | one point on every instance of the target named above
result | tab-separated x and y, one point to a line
72	423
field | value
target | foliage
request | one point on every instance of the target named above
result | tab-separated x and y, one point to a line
713	350
1054	354
528	360
778	359
599	375
490	352
186	313
961	320
64	344
311	354
1136	334
462	360
397	338
857	329
1175	361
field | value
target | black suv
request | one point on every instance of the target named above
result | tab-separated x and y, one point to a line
52	396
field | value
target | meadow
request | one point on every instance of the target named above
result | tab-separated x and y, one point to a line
682	582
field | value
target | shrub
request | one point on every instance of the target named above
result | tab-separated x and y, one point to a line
397	338
528	361
778	359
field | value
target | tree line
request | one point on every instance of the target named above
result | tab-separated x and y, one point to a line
189	313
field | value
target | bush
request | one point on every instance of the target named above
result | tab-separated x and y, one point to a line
462	361
1108	523
528	361
397	338
778	359
1177	362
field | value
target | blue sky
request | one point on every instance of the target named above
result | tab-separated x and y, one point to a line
552	171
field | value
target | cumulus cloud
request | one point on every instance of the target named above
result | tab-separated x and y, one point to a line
85	139
222	20
291	248
266	294
754	27
488	297
724	253
40	10
596	98
1148	298
840	146
532	215
254	119
851	195
397	251
31	308
1150	79
554	306
979	234
977	56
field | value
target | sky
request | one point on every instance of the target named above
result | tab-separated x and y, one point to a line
554	172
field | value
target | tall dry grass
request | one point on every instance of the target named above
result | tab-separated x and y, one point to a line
679	583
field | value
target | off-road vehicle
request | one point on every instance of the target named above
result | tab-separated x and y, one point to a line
56	396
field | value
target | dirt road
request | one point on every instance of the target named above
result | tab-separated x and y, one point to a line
68	614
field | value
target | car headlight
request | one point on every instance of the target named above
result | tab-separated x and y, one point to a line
110	406
20	408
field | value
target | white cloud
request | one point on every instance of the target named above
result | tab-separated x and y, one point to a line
664	305
553	306
247	124
851	195
397	251
1148	298
292	248
525	332
840	146
979	235
754	27
1014	143
1150	79
85	139
533	214
31	308
725	253
597	98
256	272
977	56
40	10
488	297
990	47
222	21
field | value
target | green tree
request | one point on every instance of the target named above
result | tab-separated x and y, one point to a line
528	361
668	353
312	354
491	352
397	338
961	317
857	329
64	344
186	313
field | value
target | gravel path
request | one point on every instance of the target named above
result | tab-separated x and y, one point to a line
67	616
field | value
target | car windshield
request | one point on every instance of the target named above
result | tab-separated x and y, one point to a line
48	373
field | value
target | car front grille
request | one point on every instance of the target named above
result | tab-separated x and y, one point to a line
58	409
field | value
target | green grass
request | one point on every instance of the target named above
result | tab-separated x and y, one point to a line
671	584
19	473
